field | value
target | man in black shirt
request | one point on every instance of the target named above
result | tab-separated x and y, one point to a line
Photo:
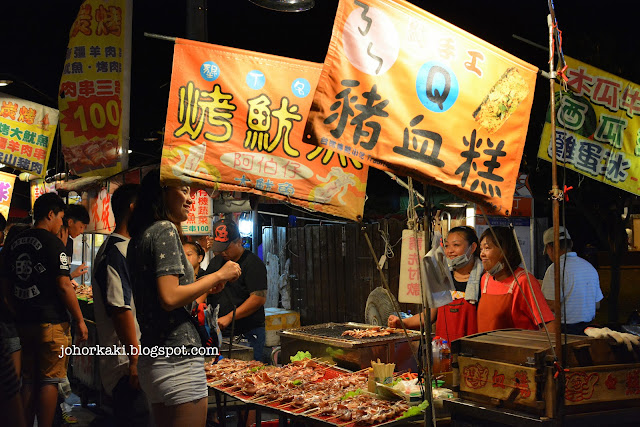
76	219
42	293
248	294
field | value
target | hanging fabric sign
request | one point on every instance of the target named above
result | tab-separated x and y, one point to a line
597	127
407	92
235	122
27	131
7	181
94	89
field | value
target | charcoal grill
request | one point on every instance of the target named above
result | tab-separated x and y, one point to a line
325	341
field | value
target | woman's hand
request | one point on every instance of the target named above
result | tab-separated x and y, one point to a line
217	288
394	322
230	272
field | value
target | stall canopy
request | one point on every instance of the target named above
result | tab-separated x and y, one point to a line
235	122
407	92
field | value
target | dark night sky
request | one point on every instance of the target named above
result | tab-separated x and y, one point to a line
35	36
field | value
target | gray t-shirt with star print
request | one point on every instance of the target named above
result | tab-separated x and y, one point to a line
158	252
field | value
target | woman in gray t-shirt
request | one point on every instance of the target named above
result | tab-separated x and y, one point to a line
164	289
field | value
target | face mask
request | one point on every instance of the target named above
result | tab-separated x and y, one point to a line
496	269
460	260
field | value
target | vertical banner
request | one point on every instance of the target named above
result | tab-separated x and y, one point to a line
27	131
94	89
597	127
198	222
407	92
235	122
412	252
7	181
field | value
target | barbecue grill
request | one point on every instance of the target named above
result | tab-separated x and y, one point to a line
325	341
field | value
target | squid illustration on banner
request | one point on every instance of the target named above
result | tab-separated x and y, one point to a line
27	131
407	92
235	122
94	89
7	181
598	127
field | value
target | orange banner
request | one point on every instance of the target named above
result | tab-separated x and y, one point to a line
407	92
235	122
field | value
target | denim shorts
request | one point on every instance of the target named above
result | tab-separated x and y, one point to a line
173	380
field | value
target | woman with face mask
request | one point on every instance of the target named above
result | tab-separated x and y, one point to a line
507	300
458	318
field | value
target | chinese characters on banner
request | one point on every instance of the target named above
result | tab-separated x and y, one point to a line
27	131
200	214
101	218
7	180
235	122
406	92
598	127
94	89
39	187
410	259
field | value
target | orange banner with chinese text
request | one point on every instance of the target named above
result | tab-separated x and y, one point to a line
235	122
94	89
7	181
27	131
407	92
597	127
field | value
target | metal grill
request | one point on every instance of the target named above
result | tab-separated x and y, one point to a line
333	332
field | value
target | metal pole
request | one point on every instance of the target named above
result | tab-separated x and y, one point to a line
555	195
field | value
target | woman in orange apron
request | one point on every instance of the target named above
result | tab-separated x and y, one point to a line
458	318
507	300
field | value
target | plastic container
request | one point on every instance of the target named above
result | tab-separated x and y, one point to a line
436	347
445	356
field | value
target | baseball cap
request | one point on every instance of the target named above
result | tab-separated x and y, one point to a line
547	237
224	232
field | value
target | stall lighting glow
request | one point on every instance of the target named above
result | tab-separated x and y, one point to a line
455	205
5	82
245	226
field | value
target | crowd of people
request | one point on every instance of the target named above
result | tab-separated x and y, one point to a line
147	280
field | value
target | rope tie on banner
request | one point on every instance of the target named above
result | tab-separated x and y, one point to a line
559	369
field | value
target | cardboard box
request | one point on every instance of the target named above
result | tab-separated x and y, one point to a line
277	319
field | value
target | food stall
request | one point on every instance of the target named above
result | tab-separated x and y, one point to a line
509	377
329	343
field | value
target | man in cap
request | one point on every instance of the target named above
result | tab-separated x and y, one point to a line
247	294
581	294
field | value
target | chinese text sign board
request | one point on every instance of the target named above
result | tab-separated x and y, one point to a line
27	131
93	98
410	264
407	92
200	215
7	181
235	122
598	127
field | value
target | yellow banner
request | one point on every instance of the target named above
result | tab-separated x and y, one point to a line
407	92
27	131
7	181
93	98
597	127
235	122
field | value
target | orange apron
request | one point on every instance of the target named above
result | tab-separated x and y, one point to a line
494	311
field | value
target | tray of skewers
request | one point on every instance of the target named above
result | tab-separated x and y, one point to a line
306	388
